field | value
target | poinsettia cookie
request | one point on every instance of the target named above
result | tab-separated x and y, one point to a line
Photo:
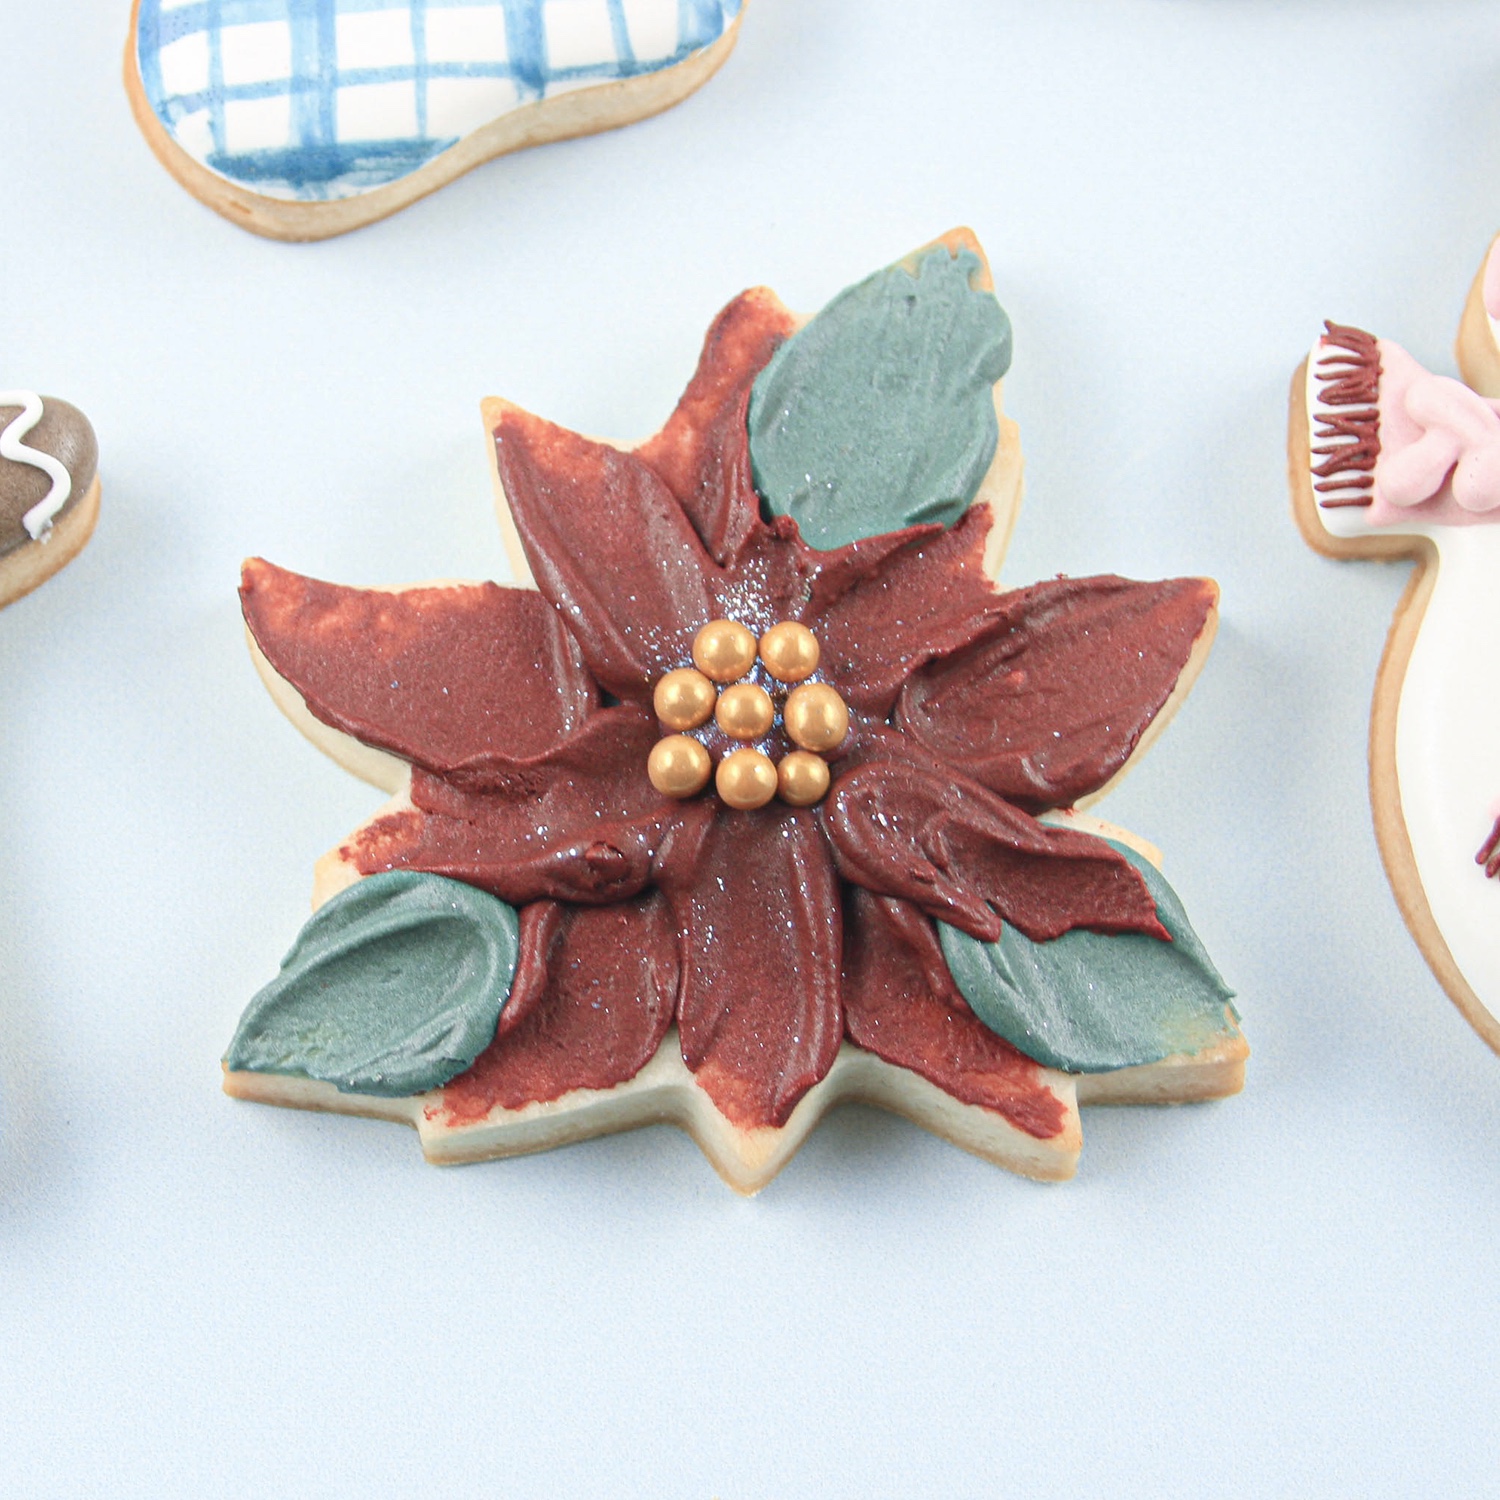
49	488
1389	460
300	119
757	794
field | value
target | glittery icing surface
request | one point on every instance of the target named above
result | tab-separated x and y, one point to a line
971	709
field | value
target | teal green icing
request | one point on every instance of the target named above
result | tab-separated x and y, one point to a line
392	988
1090	1002
879	414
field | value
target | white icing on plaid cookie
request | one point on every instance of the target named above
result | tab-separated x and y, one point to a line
281	106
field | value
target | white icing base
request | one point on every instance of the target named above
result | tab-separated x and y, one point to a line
1448	749
1448	728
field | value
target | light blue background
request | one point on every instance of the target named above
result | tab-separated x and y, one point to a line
1291	1292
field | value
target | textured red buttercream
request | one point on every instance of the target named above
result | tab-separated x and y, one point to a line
771	935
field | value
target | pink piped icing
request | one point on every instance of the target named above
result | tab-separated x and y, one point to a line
1439	445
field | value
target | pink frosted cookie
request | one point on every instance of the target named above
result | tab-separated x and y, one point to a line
49	488
757	794
1389	460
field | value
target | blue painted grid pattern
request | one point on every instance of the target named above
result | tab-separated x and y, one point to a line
325	99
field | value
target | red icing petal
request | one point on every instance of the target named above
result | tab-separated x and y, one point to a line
580	824
610	546
891	1008
434	675
863	562
702	453
778	577
596	1020
540	924
761	932
963	854
925	601
1048	707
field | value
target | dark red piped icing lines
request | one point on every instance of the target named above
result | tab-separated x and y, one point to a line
1349	377
1489	852
769	936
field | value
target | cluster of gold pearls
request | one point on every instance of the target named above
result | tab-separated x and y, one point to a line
815	718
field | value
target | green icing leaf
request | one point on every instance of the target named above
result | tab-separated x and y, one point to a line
1090	1002
879	414
392	988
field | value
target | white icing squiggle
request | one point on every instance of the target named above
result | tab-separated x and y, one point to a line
37	520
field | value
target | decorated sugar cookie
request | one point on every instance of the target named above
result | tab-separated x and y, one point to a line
1390	460
301	119
756	794
49	488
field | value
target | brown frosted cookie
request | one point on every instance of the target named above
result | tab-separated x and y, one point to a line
49	488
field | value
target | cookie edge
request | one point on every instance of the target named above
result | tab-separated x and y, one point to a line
578	112
1391	836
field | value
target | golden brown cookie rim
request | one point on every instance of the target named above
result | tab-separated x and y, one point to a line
580	112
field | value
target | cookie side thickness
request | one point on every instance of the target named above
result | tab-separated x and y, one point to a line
1393	836
665	1092
22	571
379	768
561	116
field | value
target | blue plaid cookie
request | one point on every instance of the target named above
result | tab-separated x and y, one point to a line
321	100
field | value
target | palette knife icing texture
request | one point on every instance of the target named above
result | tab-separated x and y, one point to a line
49	488
757	794
301	119
1388	460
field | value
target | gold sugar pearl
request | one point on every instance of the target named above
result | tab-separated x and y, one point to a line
790	652
802	778
746	779
724	650
679	766
816	717
745	711
684	699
